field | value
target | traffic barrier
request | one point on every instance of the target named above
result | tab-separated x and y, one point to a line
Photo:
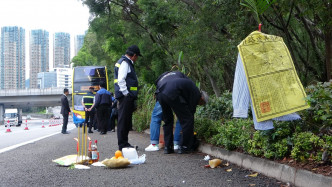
50	123
26	125
43	124
8	127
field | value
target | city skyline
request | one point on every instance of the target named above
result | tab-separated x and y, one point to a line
38	54
52	15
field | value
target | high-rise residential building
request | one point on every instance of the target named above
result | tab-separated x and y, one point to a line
47	79
78	43
61	49
39	55
12	58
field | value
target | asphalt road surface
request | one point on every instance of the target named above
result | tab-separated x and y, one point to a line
31	165
19	136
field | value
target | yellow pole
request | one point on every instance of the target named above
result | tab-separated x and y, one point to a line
78	147
82	143
86	137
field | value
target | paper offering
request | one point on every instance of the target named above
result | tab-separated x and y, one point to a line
275	88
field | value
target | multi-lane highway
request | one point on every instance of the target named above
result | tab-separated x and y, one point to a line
19	136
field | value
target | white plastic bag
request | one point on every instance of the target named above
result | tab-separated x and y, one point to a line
139	160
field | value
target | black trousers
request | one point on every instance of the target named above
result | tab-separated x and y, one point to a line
125	115
95	121
65	122
112	120
103	115
89	117
185	116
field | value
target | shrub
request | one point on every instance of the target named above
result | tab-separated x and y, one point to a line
217	108
206	129
306	145
319	115
145	104
234	134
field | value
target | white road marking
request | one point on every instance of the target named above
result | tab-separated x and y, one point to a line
28	142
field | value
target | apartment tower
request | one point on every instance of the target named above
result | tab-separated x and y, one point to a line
39	55
61	50
78	43
12	58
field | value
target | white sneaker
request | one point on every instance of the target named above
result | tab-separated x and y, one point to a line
152	148
176	147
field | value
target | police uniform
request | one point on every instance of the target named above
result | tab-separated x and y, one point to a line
89	115
103	102
126	99
181	96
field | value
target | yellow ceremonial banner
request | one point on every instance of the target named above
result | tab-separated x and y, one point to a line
275	88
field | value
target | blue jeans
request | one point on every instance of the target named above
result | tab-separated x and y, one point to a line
156	118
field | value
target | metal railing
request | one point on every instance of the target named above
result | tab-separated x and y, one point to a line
26	92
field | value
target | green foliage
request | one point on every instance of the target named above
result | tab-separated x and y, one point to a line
207	32
217	107
257	6
206	128
319	115
234	134
145	104
307	145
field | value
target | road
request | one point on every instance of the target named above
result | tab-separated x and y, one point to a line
19	136
31	164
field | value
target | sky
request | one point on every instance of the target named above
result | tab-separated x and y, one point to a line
51	15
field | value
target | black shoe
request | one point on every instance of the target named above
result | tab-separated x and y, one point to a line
184	150
168	150
135	146
66	132
103	133
90	131
113	130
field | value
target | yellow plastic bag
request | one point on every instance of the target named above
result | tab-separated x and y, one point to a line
116	163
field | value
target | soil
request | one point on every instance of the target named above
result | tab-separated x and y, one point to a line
310	165
319	168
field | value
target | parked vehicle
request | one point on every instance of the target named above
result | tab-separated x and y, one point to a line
28	116
11	116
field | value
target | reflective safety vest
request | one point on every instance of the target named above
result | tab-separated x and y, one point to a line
88	100
131	80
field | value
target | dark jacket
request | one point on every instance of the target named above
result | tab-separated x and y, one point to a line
64	105
131	79
163	78
103	97
183	89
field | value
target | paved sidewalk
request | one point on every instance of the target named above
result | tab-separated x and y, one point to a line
32	165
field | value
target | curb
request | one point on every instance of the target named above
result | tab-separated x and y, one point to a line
282	172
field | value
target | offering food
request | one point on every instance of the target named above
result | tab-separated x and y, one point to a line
117	161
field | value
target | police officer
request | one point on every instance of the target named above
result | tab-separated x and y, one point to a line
87	102
125	87
102	103
181	96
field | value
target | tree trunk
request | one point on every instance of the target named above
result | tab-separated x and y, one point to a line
328	51
212	81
